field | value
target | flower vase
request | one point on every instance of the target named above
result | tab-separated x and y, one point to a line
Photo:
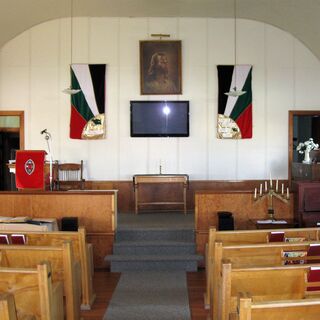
306	157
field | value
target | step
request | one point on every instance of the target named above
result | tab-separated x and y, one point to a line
155	234
152	247
120	263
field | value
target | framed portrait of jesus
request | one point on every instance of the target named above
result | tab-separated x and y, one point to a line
160	67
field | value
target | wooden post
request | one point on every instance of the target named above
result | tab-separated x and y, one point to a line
7	307
88	296
216	270
209	262
224	283
244	305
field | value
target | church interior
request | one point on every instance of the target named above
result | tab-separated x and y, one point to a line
159	160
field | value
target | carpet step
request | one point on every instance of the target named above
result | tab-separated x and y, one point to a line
186	235
152	247
121	263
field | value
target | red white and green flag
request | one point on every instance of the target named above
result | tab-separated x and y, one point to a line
234	111
88	104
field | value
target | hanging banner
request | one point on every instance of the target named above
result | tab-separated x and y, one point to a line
234	112
30	169
88	105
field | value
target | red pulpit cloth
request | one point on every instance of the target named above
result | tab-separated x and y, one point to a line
30	169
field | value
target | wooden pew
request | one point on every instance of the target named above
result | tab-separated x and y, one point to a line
64	268
32	294
248	237
300	309
264	284
254	255
82	252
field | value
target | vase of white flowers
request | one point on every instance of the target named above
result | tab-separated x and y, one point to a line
305	148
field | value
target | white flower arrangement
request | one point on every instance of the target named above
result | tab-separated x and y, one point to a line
307	146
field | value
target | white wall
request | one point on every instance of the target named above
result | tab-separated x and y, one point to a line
34	69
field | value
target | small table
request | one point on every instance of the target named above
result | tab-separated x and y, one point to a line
138	179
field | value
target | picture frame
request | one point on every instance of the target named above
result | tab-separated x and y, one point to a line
160	67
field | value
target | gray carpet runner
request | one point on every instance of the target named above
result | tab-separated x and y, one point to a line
152	295
154	249
153	252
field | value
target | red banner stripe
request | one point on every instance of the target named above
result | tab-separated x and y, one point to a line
244	122
77	123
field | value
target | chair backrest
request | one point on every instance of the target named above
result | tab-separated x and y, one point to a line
70	176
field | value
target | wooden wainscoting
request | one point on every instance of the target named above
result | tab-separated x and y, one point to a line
170	192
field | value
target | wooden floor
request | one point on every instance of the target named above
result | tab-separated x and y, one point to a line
105	282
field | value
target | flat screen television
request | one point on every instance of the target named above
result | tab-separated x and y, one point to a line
159	118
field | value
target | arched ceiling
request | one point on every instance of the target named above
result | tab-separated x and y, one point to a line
301	18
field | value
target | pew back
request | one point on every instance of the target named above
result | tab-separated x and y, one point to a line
249	237
34	294
255	255
81	250
264	284
64	268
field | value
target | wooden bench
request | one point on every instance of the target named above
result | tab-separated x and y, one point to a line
82	252
264	284
64	268
248	237
32	294
254	255
306	309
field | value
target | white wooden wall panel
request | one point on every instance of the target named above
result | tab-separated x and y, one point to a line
285	76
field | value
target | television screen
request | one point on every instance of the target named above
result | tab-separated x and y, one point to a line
159	118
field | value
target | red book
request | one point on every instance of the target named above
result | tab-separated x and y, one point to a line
314	250
314	276
276	236
18	239
4	239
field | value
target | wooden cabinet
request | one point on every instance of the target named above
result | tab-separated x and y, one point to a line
307	203
305	172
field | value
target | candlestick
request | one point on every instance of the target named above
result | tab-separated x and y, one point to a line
260	189
282	188
277	185
255	193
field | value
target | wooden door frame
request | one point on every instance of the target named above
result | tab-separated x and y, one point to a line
21	127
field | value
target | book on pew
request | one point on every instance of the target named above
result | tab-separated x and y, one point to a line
276	236
4	239
293	257
313	276
269	221
18	239
294	239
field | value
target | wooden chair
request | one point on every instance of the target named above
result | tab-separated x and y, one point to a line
70	176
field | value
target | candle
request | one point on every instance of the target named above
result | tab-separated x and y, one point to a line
287	193
265	186
255	193
282	188
260	189
277	185
270	181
